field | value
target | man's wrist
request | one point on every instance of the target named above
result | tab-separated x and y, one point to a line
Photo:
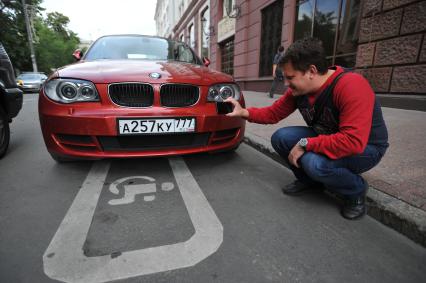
245	113
303	143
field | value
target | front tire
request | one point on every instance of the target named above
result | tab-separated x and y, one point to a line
4	133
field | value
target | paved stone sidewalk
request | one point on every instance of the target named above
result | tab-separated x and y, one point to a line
397	196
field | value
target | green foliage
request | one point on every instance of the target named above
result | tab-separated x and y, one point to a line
55	42
54	49
13	34
58	22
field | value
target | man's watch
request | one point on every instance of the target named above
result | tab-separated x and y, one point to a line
303	142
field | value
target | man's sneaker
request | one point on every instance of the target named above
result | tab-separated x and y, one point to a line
298	188
354	208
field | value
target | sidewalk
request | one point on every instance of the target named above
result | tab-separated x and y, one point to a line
397	195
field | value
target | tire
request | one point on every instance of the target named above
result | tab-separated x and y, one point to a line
4	133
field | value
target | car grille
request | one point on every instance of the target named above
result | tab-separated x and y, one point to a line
132	94
178	95
153	142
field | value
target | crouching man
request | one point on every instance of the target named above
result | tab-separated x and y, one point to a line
345	133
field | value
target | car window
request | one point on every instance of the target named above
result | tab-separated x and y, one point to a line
140	48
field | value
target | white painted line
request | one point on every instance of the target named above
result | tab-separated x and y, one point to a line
64	258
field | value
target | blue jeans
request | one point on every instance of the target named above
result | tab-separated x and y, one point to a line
340	176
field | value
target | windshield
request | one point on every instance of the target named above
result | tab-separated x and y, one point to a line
140	47
30	76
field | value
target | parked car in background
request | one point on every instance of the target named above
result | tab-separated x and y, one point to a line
31	81
10	99
137	96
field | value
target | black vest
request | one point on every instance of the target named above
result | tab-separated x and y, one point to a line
323	116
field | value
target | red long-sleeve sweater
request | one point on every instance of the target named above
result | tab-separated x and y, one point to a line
354	99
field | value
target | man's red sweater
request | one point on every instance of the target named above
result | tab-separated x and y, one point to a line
354	99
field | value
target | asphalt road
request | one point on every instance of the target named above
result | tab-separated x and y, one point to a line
198	218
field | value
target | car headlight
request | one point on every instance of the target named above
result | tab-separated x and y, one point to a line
220	92
70	91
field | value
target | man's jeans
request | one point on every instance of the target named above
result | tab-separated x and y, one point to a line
340	176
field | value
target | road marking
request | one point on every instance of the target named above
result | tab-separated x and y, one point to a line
131	190
64	258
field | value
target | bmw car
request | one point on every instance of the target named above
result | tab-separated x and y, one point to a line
138	96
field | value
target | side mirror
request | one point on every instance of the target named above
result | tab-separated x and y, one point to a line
206	61
77	54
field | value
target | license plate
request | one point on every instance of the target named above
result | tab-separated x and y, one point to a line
156	126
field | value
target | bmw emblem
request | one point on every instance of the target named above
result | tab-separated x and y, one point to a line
155	75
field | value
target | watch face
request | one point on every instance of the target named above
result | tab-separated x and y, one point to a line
303	142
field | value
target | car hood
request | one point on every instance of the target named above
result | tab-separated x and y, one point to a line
112	71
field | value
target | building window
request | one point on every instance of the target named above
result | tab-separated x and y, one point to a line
335	23
191	38
227	56
181	38
272	18
205	32
227	7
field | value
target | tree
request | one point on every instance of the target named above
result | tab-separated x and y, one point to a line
58	23
13	33
55	42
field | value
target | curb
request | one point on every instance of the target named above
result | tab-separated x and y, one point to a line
390	211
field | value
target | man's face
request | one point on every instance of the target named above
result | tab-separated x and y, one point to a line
300	82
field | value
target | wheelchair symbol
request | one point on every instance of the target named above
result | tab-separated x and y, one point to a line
133	186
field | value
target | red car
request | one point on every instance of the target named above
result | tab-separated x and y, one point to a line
137	96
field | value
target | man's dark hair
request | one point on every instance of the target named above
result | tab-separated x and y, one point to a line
281	49
305	52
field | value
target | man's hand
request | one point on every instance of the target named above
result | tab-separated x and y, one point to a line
238	110
296	152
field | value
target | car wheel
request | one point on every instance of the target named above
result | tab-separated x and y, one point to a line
4	133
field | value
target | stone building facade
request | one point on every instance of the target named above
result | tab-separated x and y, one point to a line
392	46
191	24
384	40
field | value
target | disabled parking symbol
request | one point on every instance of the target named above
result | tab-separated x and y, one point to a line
64	259
131	190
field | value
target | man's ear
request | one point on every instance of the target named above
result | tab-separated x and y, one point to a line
313	70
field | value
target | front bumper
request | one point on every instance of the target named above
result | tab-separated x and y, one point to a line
14	101
89	130
30	87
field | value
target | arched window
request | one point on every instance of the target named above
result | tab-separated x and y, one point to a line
205	32
191	36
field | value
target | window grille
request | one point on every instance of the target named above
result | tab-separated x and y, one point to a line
227	56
